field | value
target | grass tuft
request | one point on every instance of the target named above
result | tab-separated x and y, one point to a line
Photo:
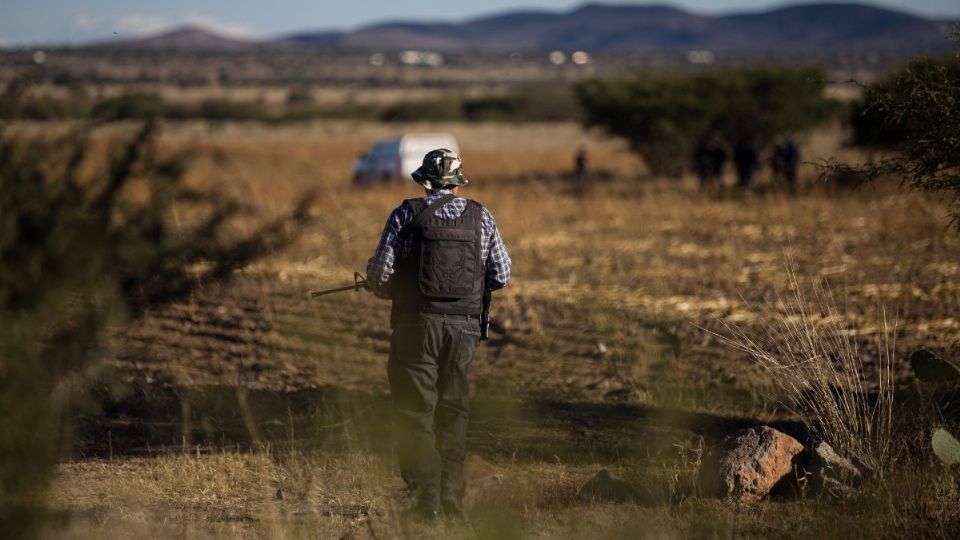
841	392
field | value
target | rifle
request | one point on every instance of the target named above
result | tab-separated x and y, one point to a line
359	282
485	315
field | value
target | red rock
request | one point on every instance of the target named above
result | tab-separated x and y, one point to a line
480	477
753	460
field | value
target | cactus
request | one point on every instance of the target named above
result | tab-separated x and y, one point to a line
931	368
946	447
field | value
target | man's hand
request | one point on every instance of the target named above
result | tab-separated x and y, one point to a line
380	290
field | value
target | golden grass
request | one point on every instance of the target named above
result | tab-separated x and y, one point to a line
613	290
234	495
625	256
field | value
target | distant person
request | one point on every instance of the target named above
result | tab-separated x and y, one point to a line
708	159
436	257
746	159
786	160
580	165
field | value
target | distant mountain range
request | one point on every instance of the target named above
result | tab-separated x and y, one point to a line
597	28
184	38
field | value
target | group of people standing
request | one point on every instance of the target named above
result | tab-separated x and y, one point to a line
711	155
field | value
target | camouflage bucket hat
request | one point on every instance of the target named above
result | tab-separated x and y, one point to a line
440	168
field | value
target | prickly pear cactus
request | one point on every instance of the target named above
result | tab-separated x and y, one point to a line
931	368
946	447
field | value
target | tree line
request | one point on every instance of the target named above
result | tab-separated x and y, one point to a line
911	117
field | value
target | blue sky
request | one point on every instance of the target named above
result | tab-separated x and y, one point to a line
70	21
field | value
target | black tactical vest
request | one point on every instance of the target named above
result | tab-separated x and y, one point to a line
443	272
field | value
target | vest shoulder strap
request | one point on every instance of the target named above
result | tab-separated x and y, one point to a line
424	214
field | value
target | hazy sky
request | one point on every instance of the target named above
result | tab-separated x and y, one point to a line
63	21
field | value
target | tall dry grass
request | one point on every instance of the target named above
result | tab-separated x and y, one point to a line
843	393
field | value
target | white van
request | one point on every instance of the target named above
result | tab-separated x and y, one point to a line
392	159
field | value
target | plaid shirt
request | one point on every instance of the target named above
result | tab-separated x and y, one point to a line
380	267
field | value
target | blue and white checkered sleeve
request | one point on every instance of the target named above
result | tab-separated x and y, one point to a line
498	260
380	265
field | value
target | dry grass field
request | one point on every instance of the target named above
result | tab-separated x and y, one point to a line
252	411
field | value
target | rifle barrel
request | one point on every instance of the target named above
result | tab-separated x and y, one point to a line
359	282
315	294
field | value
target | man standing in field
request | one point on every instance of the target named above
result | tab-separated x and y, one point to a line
436	257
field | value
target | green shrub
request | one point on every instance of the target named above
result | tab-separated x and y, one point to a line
529	103
224	109
43	108
132	105
300	96
50	109
662	115
881	118
438	110
349	110
16	104
491	108
915	115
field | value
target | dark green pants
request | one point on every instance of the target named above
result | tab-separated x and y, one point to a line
430	356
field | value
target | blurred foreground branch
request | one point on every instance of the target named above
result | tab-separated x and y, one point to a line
914	116
86	243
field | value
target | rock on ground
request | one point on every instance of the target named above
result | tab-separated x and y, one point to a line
753	460
829	472
479	477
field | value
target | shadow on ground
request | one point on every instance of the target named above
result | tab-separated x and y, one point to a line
149	419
